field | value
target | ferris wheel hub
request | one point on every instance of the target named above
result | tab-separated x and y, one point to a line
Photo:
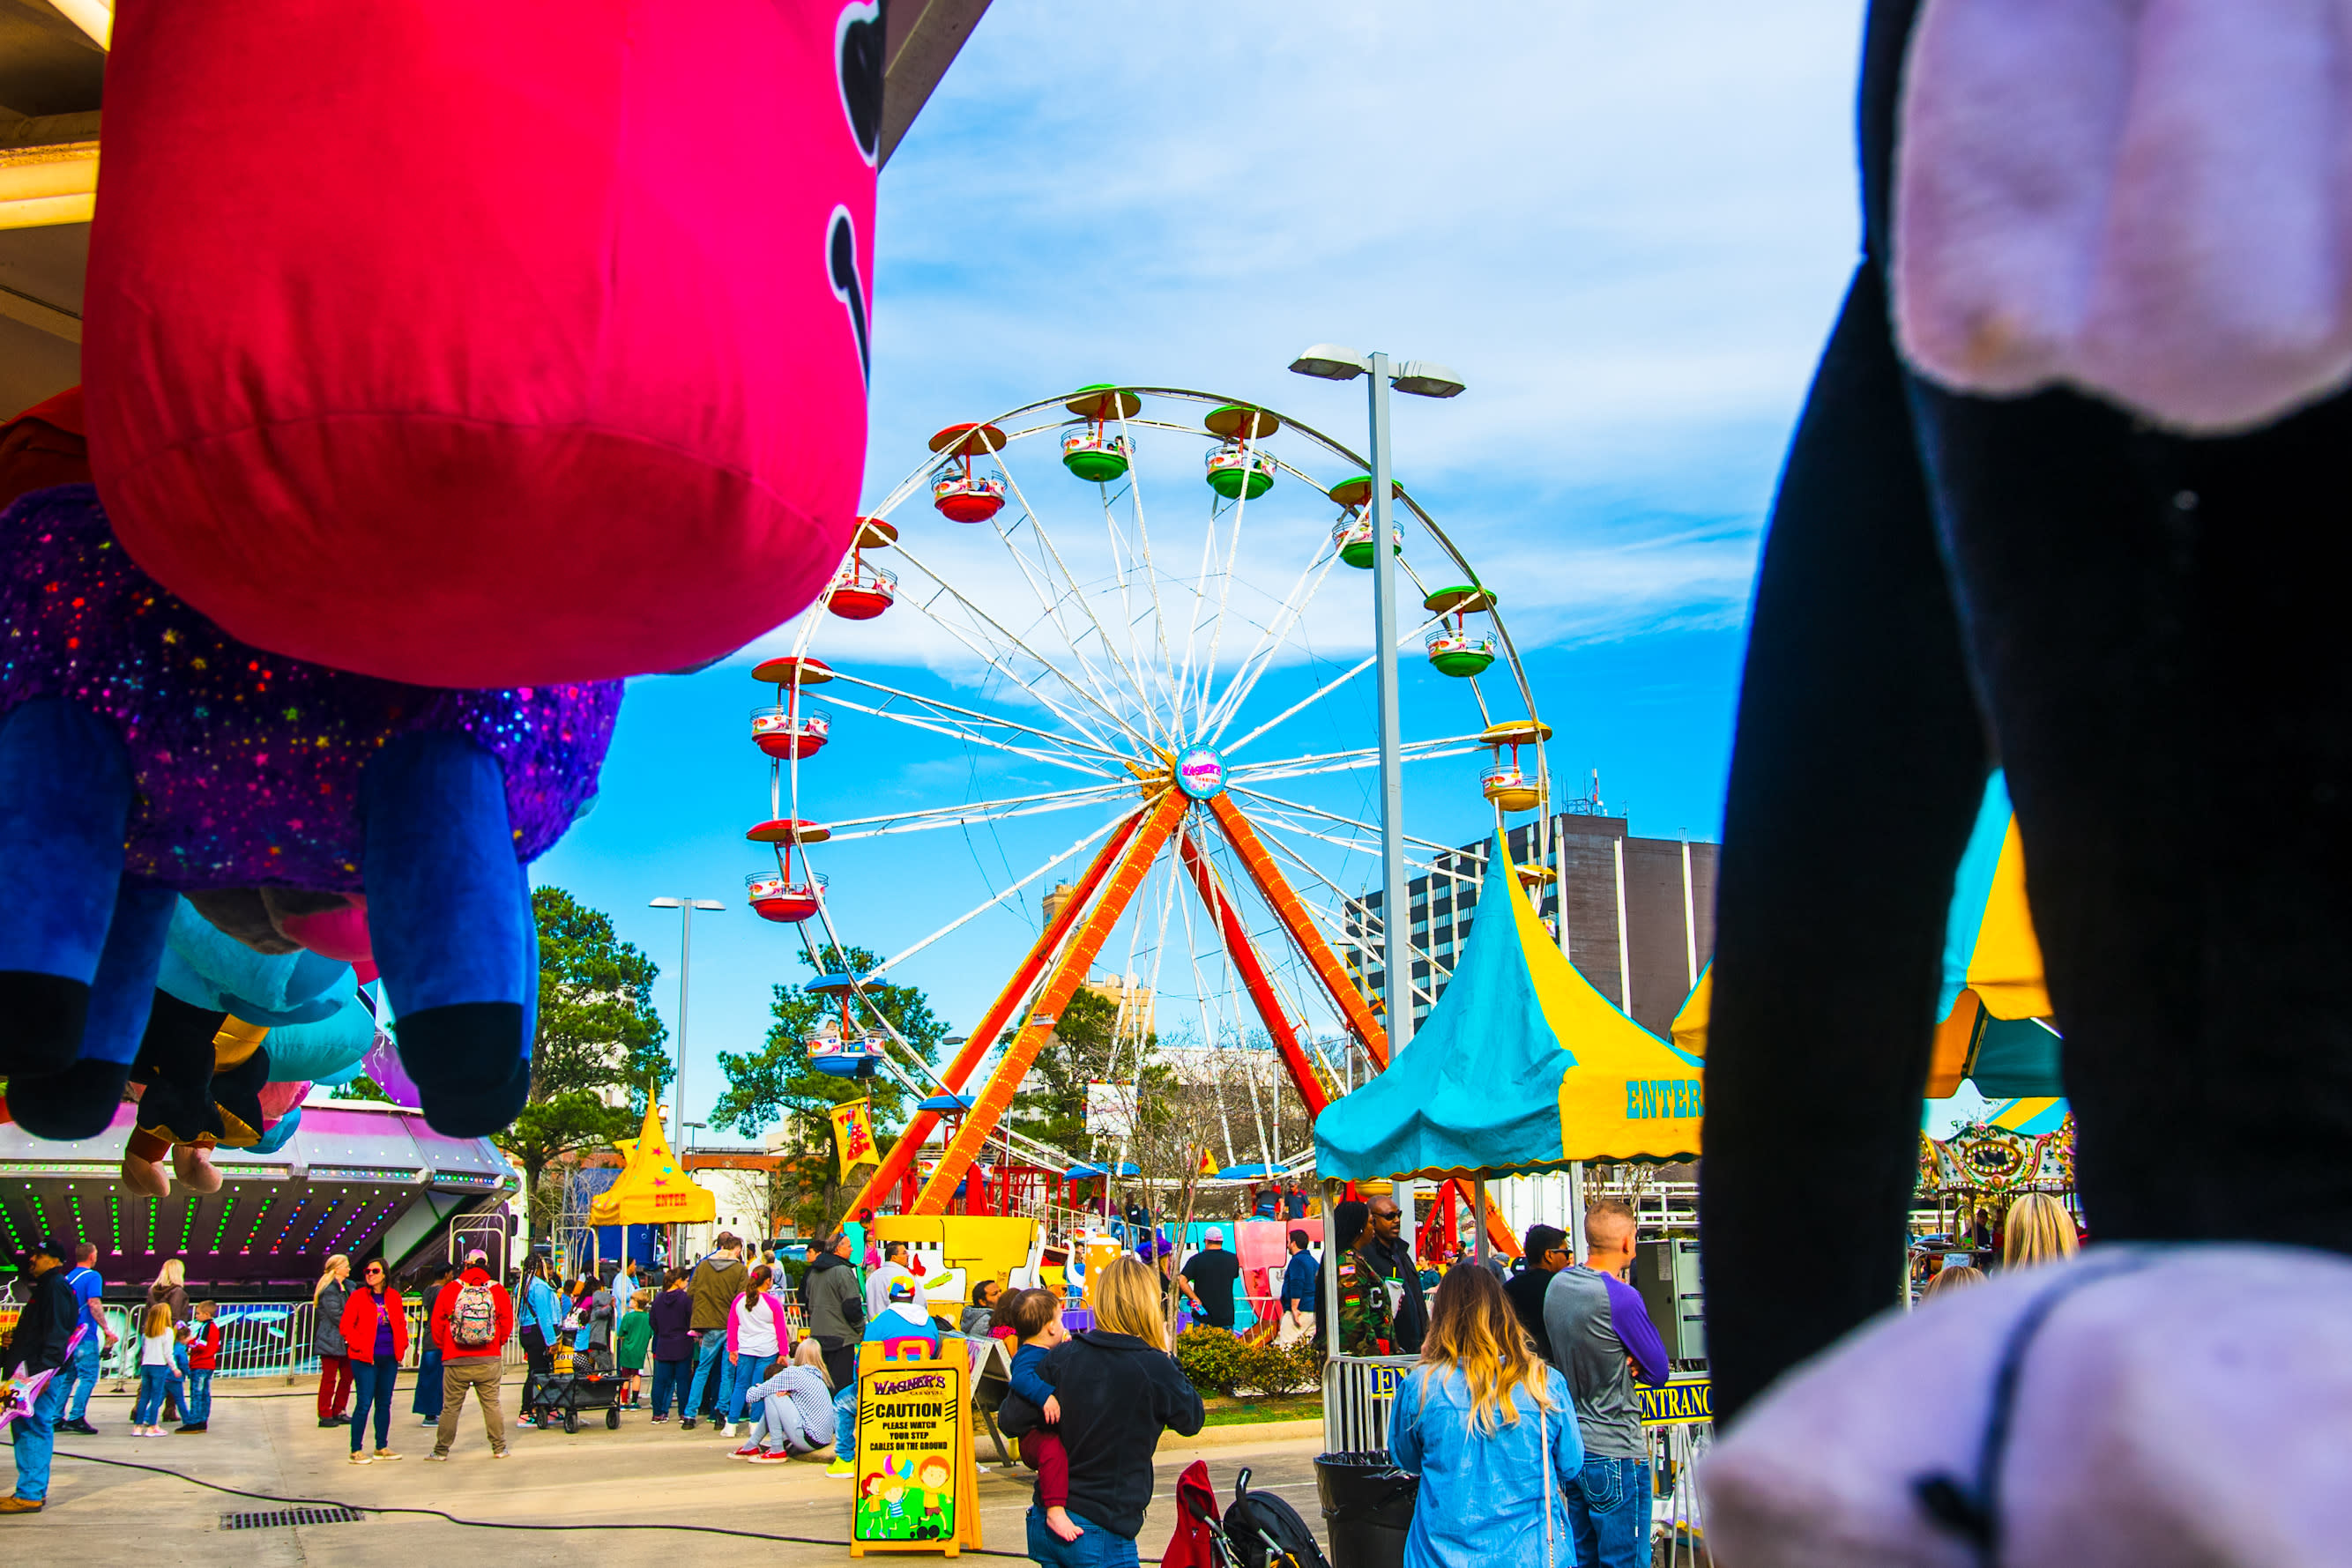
1199	772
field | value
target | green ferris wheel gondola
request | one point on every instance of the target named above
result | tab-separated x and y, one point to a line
1095	452
1455	646
1240	470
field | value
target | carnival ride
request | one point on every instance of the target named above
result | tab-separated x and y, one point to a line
1188	648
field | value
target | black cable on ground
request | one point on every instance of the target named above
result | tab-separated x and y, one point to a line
487	1524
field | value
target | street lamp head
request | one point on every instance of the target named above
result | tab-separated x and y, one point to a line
1425	378
714	904
1332	362
664	903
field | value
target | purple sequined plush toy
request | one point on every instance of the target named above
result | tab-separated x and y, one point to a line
144	753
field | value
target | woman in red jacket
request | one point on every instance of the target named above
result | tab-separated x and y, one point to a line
375	1327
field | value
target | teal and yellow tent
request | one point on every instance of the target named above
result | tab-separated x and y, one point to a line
1522	1067
2030	1116
1993	1014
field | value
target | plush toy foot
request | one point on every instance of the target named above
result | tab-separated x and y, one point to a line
143	1162
195	1168
45	1015
75	1103
445	1050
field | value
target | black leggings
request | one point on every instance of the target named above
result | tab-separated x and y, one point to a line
2143	629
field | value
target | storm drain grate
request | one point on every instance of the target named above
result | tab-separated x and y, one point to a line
278	1517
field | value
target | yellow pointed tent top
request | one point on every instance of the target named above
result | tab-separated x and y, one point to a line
652	1190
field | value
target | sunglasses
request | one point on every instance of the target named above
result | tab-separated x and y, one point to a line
376	1271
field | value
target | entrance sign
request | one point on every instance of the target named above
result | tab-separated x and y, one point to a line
917	1490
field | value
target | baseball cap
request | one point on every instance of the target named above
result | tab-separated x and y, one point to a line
1215	1234
902	1290
475	1255
56	1247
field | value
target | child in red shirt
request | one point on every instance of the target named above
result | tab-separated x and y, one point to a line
203	1341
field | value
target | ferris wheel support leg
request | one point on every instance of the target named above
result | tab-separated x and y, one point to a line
899	1165
996	1097
1245	961
1295	919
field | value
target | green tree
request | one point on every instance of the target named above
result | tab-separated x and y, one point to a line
1083	1049
359	1088
777	1084
597	1033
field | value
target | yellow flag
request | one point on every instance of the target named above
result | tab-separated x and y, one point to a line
1208	1163
853	1135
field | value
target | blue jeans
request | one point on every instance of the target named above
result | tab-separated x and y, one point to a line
80	1375
196	1405
427	1402
670	1380
36	1439
153	1381
1608	1513
371	1383
1097	1548
709	1367
742	1373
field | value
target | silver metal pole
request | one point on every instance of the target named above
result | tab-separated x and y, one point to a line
677	1084
1396	923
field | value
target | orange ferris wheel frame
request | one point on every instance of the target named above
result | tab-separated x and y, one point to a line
1057	963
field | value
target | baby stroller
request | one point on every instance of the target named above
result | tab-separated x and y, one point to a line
1258	1531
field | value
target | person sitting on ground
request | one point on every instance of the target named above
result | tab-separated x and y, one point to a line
2037	1230
792	1410
471	1321
1036	1419
204	1343
1492	1432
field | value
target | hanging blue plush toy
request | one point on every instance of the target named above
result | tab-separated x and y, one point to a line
144	753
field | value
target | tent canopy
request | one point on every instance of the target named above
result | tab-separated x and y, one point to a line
652	1190
1993	1010
1522	1067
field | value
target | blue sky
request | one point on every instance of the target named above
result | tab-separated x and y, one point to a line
1626	227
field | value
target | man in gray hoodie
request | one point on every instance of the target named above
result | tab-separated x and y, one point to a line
718	1280
836	1310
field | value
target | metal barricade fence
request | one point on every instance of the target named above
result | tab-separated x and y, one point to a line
1357	1391
267	1339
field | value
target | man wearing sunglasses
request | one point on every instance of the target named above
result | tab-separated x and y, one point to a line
1547	1254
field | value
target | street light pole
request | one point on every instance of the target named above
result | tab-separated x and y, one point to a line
1422	379
686	907
1396	926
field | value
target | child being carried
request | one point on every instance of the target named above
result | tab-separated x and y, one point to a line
1037	1321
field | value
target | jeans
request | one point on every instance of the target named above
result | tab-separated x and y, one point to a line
37	1440
778	1426
1097	1548
80	1375
710	1365
371	1383
1608	1513
197	1403
743	1372
153	1381
669	1379
427	1402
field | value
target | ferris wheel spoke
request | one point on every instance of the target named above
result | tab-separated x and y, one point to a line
995	660
1371	828
976	716
927	817
1238	512
1319	692
954	733
1078	591
962	920
1353	762
982	615
1050	600
1271	638
1151	575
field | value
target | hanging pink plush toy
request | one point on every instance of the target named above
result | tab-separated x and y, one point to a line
541	326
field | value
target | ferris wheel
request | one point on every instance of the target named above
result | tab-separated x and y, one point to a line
1158	608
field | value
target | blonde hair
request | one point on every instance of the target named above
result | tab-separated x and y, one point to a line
1472	1327
158	1320
810	1353
327	1271
1952	1278
172	1274
2038	1230
1127	1300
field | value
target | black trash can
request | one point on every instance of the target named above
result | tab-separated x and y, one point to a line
1367	1508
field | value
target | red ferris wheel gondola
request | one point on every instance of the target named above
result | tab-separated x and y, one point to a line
791	893
861	590
961	494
